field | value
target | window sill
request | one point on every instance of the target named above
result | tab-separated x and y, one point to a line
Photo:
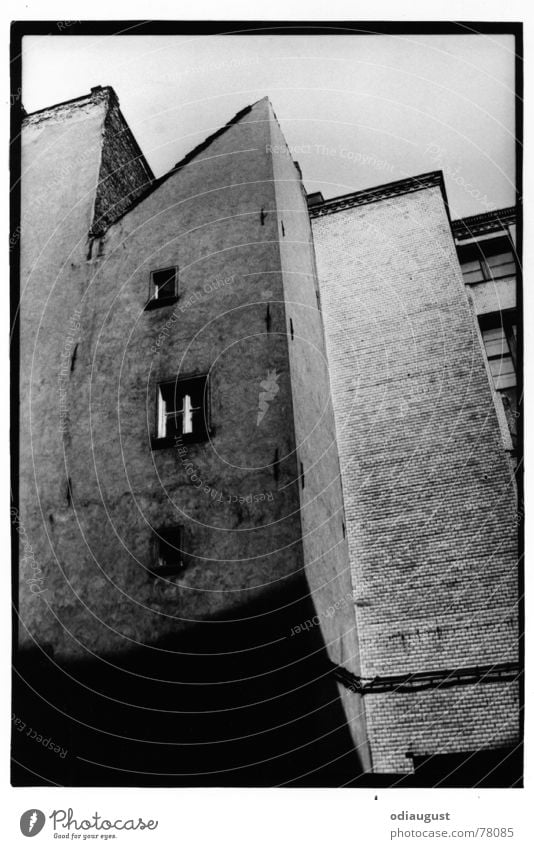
171	571
157	303
509	276
159	442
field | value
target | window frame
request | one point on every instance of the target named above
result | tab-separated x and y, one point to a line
504	321
157	303
158	536
202	434
481	252
507	321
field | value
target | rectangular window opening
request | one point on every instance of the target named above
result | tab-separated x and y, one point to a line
487	261
182	411
169	556
163	288
499	334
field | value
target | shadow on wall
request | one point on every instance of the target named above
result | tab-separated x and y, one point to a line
239	703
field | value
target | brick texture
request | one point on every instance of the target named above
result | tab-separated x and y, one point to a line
429	501
461	719
124	172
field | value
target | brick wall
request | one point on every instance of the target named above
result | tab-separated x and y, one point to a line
124	172
429	501
461	719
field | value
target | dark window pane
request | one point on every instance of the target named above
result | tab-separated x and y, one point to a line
181	408
174	425
495	342
509	399
511	334
164	283
472	271
501	265
502	366
505	270
500	259
196	392
172	395
169	544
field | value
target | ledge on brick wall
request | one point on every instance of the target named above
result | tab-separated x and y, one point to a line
434	679
387	190
486	222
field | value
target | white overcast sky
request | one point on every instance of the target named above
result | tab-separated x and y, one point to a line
359	110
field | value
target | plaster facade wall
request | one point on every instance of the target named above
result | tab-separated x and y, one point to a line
98	489
428	493
60	158
102	491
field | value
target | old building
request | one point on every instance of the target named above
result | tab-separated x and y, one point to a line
423	379
487	252
265	475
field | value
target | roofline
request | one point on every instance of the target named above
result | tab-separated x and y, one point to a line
128	129
94	91
189	157
382	192
483	223
98	93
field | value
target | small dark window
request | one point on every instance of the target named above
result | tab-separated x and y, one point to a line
488	260
500	342
168	551
182	411
499	334
473	271
163	288
489	268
